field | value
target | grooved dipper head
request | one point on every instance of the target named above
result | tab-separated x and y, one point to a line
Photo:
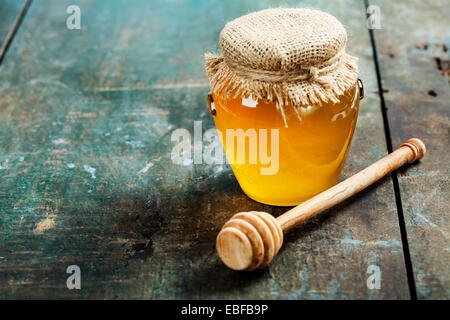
249	240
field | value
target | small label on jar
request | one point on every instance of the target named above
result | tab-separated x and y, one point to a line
249	102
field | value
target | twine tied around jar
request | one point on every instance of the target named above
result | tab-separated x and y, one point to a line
294	57
313	73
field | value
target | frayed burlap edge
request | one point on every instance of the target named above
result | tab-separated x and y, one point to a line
224	81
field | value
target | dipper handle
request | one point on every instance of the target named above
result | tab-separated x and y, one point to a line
409	152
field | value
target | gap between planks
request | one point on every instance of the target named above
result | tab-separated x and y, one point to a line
13	30
398	199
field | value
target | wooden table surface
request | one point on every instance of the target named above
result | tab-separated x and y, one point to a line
86	118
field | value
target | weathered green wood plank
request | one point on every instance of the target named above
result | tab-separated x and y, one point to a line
9	11
107	97
414	35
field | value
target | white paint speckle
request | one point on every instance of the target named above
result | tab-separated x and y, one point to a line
90	170
21	159
64	63
135	144
59	141
70	165
187	162
352	244
4	165
422	218
145	169
218	169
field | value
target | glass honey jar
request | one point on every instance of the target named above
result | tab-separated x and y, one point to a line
286	131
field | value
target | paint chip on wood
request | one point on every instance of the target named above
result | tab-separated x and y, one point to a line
90	170
44	225
59	141
145	169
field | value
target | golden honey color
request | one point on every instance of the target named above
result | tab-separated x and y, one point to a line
311	153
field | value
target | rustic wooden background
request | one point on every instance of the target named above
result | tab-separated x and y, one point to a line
86	178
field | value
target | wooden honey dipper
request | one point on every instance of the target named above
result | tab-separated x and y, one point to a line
250	240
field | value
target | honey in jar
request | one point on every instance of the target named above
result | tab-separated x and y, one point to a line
311	153
285	100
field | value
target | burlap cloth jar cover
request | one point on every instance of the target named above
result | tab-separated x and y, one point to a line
293	57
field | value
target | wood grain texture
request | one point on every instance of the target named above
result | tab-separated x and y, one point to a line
417	101
86	177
